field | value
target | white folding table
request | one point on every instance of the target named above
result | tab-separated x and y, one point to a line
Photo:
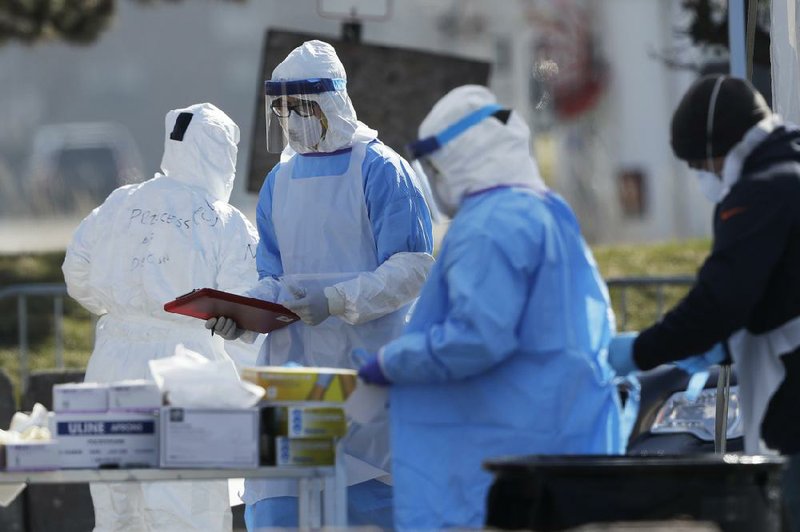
322	493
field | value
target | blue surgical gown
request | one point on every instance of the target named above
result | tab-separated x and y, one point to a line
504	355
400	220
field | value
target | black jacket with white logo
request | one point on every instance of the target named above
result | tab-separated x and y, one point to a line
751	279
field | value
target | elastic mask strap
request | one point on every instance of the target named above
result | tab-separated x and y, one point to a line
430	144
712	105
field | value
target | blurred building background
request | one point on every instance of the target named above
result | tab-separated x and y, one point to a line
591	78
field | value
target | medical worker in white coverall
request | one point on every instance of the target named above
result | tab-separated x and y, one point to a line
145	245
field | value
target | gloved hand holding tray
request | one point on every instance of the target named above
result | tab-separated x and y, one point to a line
248	313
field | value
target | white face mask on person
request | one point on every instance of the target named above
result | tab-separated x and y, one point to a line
710	185
304	132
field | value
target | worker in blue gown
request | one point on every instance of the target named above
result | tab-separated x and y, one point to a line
346	243
505	353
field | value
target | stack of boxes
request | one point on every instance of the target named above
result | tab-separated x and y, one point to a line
100	426
124	425
302	416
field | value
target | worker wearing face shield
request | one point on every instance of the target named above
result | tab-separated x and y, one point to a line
505	351
745	304
346	244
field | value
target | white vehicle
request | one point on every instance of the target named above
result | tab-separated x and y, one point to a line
74	166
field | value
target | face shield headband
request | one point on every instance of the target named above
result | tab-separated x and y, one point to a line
428	145
430	179
287	112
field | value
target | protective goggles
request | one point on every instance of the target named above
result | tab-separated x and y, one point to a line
430	178
283	108
291	110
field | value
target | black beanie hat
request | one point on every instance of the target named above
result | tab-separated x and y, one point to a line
739	106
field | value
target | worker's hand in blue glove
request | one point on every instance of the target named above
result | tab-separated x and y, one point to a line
224	327
310	305
698	363
369	368
620	353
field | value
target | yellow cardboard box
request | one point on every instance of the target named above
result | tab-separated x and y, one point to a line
302	384
304	451
304	421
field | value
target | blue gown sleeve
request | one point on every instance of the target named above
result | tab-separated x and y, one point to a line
487	292
268	256
401	221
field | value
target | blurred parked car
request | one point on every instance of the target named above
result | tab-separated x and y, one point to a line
74	166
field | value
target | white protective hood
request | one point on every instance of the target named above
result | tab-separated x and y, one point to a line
317	59
206	157
487	155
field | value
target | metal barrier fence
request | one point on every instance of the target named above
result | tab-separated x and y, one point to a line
619	287
622	286
22	292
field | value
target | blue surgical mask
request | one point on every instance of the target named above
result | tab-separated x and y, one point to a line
710	185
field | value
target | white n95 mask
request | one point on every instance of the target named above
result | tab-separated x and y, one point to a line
710	185
303	131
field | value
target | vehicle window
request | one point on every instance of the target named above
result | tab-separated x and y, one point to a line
86	175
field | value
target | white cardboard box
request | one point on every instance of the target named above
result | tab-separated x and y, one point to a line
134	395
107	439
209	438
31	456
80	397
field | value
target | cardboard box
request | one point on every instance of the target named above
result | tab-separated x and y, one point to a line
302	384
30	456
304	421
80	397
209	438
107	439
136	395
303	452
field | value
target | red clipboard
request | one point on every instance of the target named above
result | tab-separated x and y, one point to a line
248	313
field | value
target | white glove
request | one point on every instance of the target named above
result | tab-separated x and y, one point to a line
224	327
267	289
311	306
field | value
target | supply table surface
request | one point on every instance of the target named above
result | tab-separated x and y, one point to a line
322	493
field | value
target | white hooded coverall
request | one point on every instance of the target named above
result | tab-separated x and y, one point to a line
145	245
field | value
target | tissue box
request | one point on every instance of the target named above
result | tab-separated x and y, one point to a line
134	395
301	452
80	397
107	439
302	384
209	438
304	421
30	456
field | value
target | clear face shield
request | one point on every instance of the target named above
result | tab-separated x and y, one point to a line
431	180
293	113
428	178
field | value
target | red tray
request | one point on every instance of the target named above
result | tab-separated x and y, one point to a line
248	313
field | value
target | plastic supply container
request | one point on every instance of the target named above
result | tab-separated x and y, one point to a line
738	493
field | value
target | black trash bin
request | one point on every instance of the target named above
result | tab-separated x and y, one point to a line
738	493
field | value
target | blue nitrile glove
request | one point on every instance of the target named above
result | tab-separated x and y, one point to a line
620	353
370	369
698	363
311	305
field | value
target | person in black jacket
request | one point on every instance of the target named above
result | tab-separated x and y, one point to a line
745	303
